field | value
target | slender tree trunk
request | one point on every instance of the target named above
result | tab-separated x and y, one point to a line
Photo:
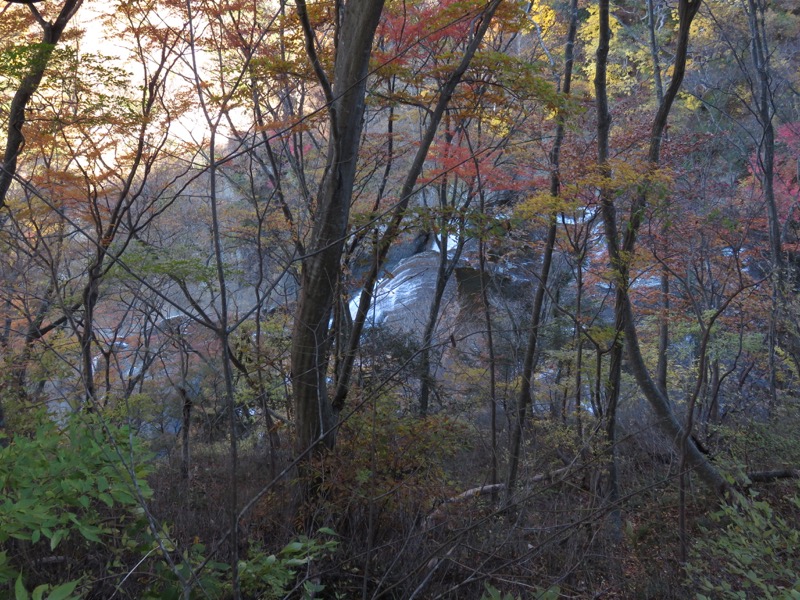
663	319
763	99
487	316
651	27
614	380
426	377
3	434
187	421
764	103
524	396
221	326
443	273
712	414
579	348
663	330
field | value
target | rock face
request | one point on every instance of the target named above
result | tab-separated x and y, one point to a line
403	296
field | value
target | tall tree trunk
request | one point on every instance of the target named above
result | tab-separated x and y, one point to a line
764	101
314	414
579	349
663	318
614	381
764	104
687	9
524	396
492	366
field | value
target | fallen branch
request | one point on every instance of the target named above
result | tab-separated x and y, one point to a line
765	476
437	516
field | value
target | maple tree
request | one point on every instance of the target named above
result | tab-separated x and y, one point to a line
24	67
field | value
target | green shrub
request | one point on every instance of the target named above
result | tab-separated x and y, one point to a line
262	576
66	496
550	593
267	577
753	551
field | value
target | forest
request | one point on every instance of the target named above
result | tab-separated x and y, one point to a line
399	299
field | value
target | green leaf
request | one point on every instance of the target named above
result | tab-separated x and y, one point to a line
292	548
311	589
38	593
20	593
63	591
553	593
56	539
90	533
122	496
